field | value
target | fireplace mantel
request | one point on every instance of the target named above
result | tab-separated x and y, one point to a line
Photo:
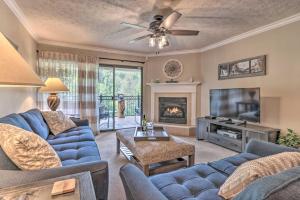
175	88
191	85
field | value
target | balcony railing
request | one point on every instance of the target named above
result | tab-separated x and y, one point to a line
132	104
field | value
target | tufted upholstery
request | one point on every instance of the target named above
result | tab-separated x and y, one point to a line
75	147
16	120
228	165
36	121
77	152
198	182
77	134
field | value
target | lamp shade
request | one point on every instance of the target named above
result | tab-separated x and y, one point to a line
14	70
54	85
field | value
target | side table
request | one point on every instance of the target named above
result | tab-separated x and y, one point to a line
42	189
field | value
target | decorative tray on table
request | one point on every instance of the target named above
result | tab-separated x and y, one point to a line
155	134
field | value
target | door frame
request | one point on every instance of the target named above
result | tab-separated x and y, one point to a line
114	66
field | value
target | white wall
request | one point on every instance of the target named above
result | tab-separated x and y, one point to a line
17	99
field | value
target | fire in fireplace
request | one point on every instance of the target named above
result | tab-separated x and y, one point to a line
173	110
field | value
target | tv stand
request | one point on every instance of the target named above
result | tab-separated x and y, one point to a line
233	135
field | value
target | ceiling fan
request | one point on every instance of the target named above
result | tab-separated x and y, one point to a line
160	28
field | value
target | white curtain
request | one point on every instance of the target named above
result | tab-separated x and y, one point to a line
87	81
79	74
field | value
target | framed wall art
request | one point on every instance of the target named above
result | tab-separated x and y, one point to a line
255	66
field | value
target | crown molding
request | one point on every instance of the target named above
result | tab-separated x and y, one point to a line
13	6
92	48
262	29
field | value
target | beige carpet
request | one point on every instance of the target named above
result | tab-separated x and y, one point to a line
205	152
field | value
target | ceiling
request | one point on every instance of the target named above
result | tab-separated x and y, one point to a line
97	22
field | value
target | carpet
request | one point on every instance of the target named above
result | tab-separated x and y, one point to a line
205	152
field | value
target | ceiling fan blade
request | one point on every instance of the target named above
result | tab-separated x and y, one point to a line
133	25
139	38
183	32
170	20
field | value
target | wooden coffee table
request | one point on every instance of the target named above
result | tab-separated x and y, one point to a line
155	156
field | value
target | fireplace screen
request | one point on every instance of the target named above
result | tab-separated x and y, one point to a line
173	110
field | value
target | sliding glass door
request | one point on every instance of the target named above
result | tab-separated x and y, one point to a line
120	97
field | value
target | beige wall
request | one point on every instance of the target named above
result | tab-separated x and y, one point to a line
17	99
153	70
280	89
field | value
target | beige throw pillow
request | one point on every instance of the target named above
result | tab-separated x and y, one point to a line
57	121
26	149
254	169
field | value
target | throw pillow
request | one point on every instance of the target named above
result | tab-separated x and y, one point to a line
276	185
57	121
26	149
255	169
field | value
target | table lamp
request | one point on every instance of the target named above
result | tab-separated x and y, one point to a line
14	70
53	86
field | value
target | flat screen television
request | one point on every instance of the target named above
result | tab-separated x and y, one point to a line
238	103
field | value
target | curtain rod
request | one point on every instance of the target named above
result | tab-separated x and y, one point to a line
122	60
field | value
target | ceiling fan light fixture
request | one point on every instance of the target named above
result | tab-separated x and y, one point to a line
152	41
163	40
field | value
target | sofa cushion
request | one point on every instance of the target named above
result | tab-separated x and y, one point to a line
36	121
228	165
16	120
26	149
57	121
255	169
198	182
274	187
77	134
77	152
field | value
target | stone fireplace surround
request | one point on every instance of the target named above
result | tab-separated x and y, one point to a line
180	89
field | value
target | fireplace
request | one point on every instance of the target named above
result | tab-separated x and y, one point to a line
173	110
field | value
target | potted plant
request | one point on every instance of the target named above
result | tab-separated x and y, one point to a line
291	139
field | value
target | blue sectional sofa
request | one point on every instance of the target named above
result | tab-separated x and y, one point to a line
202	181
76	148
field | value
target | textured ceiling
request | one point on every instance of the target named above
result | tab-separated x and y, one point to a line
97	22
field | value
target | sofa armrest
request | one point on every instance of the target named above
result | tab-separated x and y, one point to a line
80	122
137	186
266	148
98	170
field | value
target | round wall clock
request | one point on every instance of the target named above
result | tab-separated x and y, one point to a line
173	69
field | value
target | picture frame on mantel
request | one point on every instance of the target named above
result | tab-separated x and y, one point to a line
249	67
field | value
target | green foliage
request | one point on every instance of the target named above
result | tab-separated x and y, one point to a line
127	82
291	139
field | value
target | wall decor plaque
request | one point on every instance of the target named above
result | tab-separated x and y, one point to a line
172	69
255	66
